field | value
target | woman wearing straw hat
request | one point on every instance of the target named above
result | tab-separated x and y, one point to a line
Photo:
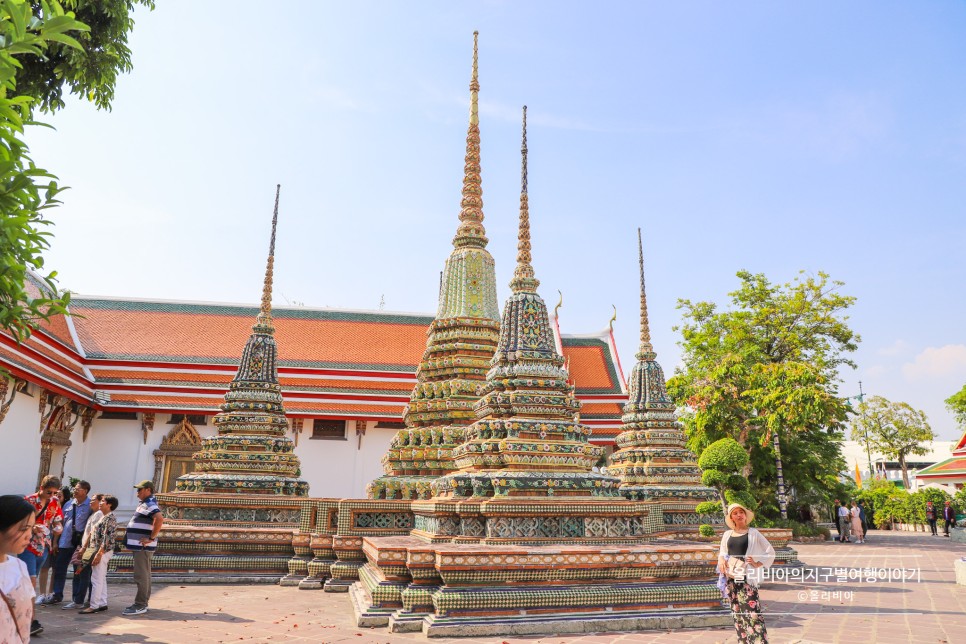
743	555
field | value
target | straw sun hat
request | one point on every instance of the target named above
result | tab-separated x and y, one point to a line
732	508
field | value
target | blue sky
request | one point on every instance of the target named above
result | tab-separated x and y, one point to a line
772	137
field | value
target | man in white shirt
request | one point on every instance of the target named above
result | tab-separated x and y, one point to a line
845	522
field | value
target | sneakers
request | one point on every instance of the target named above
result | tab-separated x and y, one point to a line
36	628
41	600
70	606
50	600
134	609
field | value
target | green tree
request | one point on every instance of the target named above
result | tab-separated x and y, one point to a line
895	430
39	52
720	465
765	373
90	71
957	405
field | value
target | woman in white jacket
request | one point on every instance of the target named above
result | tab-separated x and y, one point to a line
743	556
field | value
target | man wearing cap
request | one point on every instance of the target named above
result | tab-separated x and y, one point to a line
931	517
949	517
142	540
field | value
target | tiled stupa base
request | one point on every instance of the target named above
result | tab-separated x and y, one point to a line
478	589
230	537
509	520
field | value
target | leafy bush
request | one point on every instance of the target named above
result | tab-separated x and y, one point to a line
726	455
742	497
891	504
737	482
705	530
714	478
708	507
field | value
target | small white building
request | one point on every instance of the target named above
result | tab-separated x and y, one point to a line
857	459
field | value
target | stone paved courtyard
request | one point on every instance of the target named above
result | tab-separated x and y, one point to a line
932	609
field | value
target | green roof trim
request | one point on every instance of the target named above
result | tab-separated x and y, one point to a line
934	469
240	310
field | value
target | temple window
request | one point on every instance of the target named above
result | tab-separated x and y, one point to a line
118	415
328	429
194	419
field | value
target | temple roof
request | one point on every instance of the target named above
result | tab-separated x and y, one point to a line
954	467
157	355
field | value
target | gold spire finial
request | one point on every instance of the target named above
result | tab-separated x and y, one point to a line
470	231
646	347
523	277
475	82
265	313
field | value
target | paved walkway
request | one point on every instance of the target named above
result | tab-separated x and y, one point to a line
929	607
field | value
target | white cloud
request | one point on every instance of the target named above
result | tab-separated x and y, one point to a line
933	362
875	371
894	349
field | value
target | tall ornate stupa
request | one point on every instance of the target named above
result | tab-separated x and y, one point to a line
652	461
251	454
527	441
524	537
461	342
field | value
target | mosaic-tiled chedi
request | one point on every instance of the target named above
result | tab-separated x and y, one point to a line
251	453
461	342
524	537
526	448
652	461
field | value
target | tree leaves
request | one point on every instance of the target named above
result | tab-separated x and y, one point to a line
26	190
894	429
957	405
770	364
87	62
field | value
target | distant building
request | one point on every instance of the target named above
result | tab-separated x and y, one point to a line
856	458
950	473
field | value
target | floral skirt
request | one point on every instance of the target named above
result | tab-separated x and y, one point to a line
746	611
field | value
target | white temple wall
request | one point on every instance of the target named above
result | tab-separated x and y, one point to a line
343	468
112	459
20	445
115	457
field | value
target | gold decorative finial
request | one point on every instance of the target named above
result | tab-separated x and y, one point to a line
470	232
646	348
265	313
559	304
475	82
613	318
523	277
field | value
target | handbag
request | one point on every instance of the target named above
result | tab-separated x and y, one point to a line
76	538
76	559
736	568
88	555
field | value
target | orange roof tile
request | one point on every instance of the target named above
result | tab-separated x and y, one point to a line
181	356
215	333
591	365
597	410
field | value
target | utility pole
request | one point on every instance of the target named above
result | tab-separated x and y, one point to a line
868	450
